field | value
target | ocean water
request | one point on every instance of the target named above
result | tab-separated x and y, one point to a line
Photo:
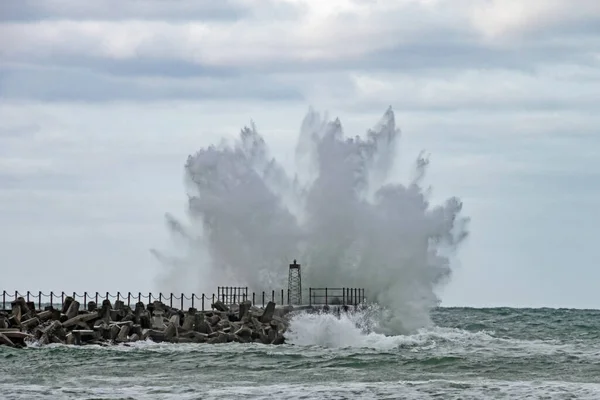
497	353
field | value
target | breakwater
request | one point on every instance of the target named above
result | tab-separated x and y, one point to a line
121	322
116	323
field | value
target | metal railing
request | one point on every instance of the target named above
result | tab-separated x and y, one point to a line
336	296
232	294
229	295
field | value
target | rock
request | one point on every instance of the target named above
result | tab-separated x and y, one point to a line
30	323
171	331
197	337
56	314
220	338
244	332
214	320
157	320
115	315
17	335
105	311
268	313
71	339
6	341
278	340
92	306
189	320
49	333
80	318
220	306
175	320
156	336
66	304
144	320
139	308
73	309
244	308
123	332
114	332
243	323
44	315
15	316
203	327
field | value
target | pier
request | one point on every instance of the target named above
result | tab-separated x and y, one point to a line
232	314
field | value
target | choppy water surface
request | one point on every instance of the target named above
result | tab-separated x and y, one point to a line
471	354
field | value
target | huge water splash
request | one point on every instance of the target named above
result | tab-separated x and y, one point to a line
337	213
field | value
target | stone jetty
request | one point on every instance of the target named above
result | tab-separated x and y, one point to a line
107	324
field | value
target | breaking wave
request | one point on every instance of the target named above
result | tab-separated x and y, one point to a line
339	213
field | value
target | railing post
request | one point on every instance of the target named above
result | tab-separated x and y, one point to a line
288	297
62	299
51	296
16	295
182	301
273	296
96	298
28	296
139	297
118	296
263	299
85	300
282	303
171	301
193	295
106	295
160	297
325	296
310	297
4	299
40	301
253	298
344	296
149	297
129	299
202	301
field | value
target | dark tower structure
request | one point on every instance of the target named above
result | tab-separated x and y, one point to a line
294	285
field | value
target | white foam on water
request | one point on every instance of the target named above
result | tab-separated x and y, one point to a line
356	330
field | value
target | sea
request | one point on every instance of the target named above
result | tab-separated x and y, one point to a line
469	353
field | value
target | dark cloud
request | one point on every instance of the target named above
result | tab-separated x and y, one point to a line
33	10
420	58
57	84
144	67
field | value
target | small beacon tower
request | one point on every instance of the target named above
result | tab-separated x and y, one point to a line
294	285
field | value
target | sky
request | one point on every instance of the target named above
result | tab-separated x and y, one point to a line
101	103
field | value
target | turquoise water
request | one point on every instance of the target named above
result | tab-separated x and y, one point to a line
469	354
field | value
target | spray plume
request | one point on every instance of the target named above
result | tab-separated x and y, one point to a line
337	214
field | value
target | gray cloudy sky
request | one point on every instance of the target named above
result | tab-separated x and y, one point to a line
102	101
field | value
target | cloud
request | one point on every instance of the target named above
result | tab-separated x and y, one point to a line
441	52
101	102
31	10
497	19
73	84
